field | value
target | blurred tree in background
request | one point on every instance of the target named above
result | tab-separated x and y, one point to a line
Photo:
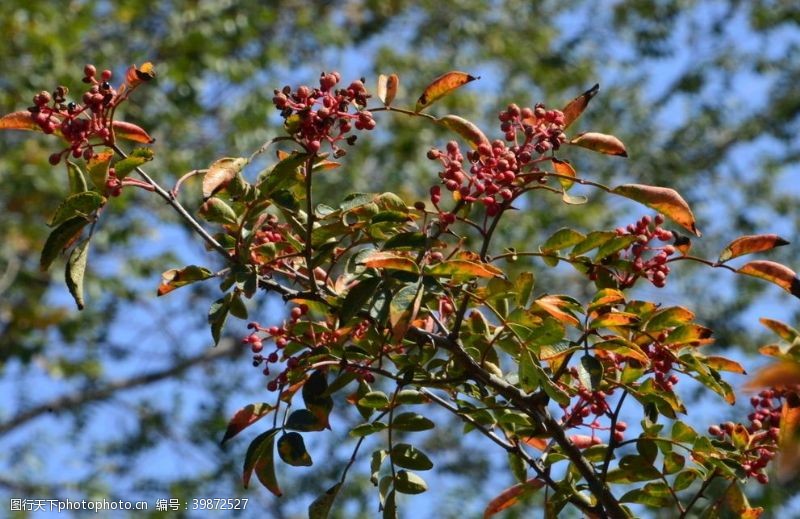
128	400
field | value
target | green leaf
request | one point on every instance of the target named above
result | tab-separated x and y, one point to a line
375	464
633	469
682	432
685	479
614	245
409	457
410	396
524	288
77	180
405	240
218	314
412	422
518	468
216	211
365	429
403	307
321	506
593	240
562	239
590	372
673	462
259	457
374	400
653	494
303	420
176	278
357	297
75	269
245	417
317	399
292	450
60	238
282	175
409	483
389	261
668	318
664	200
136	158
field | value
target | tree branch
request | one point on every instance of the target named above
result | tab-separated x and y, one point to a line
78	398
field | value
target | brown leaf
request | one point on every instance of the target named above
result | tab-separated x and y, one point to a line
564	168
664	200
601	143
575	108
131	132
750	244
220	173
511	496
441	86
773	272
21	120
387	88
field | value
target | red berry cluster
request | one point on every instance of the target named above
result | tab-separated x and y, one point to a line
763	433
318	115
271	231
82	125
592	403
661	360
496	173
648	260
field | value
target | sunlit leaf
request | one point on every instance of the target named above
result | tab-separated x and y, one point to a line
245	417
773	272
20	120
611	319
390	261
217	211
575	108
668	318
464	128
664	200
76	267
441	86
750	245
562	239
176	278
374	400
625	348
601	143
131	132
135	159
77	180
387	88
723	364
511	496
220	174
565	169
590	372
79	204
98	168
783	330
463	269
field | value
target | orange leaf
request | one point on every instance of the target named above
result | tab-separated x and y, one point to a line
388	260
783	330
135	75
536	443
777	375
511	496
723	364
750	244
441	86
773	272
575	108
601	143
551	305
21	120
220	174
464	268
131	132
789	440
564	168
664	200
465	128
245	417
387	88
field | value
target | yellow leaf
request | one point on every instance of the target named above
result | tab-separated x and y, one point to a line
664	200
465	128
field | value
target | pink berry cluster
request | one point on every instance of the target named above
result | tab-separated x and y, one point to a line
271	231
763	433
648	260
318	115
82	125
497	170
661	360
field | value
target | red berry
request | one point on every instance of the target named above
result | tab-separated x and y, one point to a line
106	75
